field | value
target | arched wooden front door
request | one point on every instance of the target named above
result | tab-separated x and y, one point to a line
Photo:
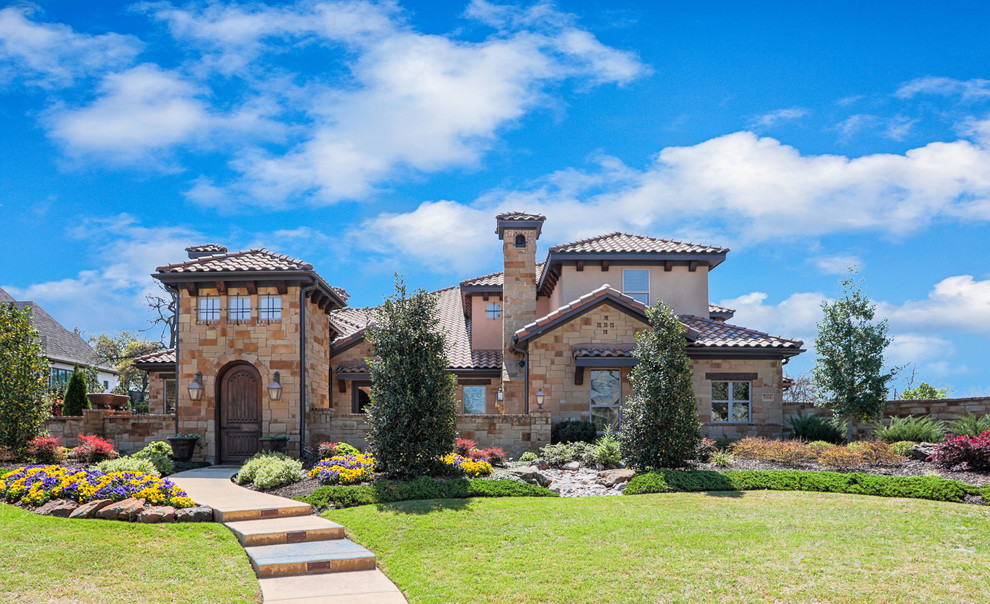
239	412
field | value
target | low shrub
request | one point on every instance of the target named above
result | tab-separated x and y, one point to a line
963	453
916	487
722	459
606	451
389	491
902	447
93	449
528	456
817	446
463	446
571	431
46	450
761	449
270	471
808	427
495	456
36	485
344	469
922	429
128	464
970	424
706	447
465	465
558	455
326	450
159	453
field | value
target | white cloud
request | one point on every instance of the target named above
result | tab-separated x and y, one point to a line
959	303
838	264
896	127
796	316
968	90
52	55
931	351
780	115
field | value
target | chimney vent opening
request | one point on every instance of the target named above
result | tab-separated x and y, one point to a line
520	241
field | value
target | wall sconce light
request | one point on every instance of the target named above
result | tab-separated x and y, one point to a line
499	395
196	387
539	399
275	388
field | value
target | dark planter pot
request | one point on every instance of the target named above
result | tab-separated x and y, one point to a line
182	447
108	401
277	445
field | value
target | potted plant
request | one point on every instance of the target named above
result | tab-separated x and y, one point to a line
183	446
278	443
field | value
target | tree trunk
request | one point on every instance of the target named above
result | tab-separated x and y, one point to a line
849	429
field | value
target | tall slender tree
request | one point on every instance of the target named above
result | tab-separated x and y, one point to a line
24	373
413	411
660	426
849	374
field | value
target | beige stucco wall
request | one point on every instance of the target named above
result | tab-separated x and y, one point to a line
685	291
486	334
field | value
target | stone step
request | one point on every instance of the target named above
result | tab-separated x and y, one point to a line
354	587
235	513
312	557
287	529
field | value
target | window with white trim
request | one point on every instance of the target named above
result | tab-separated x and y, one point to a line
494	310
731	402
269	308
636	284
239	308
209	309
474	399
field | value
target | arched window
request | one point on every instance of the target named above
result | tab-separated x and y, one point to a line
520	241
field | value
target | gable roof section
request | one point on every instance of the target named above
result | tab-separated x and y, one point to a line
59	343
572	310
255	263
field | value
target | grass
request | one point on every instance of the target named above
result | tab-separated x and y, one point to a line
45	559
680	547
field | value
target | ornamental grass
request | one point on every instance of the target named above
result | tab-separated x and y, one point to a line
344	469
36	485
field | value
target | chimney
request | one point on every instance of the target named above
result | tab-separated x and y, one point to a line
519	232
208	249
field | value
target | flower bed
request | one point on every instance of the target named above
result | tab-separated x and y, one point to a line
344	469
36	485
471	467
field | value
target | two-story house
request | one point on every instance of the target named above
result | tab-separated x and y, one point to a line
539	338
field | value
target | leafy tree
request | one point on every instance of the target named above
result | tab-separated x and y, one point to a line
924	391
849	374
24	373
660	421
75	395
119	352
413	408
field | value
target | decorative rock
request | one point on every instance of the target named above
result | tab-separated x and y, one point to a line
611	478
60	508
88	510
531	475
541	464
126	510
921	451
194	514
572	465
158	513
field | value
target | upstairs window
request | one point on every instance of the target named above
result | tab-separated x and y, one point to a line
730	402
636	284
240	308
494	310
209	309
269	308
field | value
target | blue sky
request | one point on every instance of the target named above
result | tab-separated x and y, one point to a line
372	138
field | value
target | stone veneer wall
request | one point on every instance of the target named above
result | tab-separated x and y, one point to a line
341	401
518	309
129	433
766	404
946	409
514	433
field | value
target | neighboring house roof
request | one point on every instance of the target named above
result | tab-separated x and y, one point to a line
625	243
351	323
250	261
59	343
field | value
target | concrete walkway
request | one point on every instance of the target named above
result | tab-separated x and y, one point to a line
299	558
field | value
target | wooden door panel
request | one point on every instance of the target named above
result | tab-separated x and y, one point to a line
240	413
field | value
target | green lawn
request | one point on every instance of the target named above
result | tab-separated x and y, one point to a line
45	559
680	547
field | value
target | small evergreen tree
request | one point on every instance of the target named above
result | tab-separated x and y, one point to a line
413	411
848	371
24	373
660	427
75	395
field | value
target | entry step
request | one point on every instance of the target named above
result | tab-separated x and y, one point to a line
313	557
286	529
232	513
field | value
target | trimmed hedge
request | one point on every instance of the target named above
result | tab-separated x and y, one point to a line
914	487
424	487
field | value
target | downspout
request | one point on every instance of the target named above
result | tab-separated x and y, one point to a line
523	351
177	294
303	291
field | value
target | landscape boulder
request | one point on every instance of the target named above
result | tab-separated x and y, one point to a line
89	510
531	475
921	451
126	510
194	514
541	464
158	513
60	508
611	478
572	465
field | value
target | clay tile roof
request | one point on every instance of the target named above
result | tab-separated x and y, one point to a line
348	321
496	279
520	216
719	334
714	308
625	243
353	367
155	358
576	305
603	350
214	248
250	260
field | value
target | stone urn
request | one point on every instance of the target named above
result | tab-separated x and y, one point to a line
108	401
183	446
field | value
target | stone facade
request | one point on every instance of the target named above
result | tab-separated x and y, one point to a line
519	291
129	433
766	411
